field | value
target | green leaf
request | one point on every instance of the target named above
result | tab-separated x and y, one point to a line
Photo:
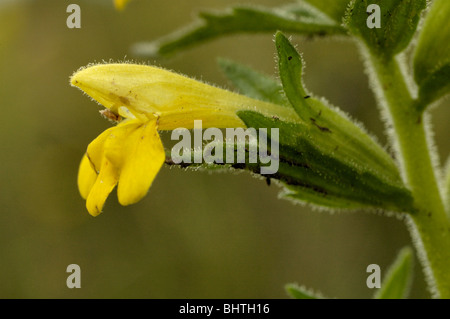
399	19
299	292
432	56
397	281
300	18
252	83
335	9
340	165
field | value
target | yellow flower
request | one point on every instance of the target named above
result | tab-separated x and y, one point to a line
148	99
120	4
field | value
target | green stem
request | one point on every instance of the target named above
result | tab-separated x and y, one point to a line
430	225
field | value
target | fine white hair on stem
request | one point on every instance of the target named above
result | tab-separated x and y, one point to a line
445	186
382	104
434	155
423	258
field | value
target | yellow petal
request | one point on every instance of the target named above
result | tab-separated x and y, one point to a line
176	99
116	142
131	153
86	177
144	158
120	4
95	149
103	186
106	154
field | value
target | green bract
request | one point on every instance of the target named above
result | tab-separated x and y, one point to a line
351	166
432	56
399	19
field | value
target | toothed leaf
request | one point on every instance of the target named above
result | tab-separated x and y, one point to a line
299	18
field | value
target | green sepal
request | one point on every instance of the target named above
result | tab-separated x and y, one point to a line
252	83
432	55
397	282
298	18
399	20
299	292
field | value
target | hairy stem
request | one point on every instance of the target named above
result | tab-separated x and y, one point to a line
430	225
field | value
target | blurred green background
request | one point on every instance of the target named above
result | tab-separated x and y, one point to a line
196	234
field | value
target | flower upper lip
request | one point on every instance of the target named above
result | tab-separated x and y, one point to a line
179	100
